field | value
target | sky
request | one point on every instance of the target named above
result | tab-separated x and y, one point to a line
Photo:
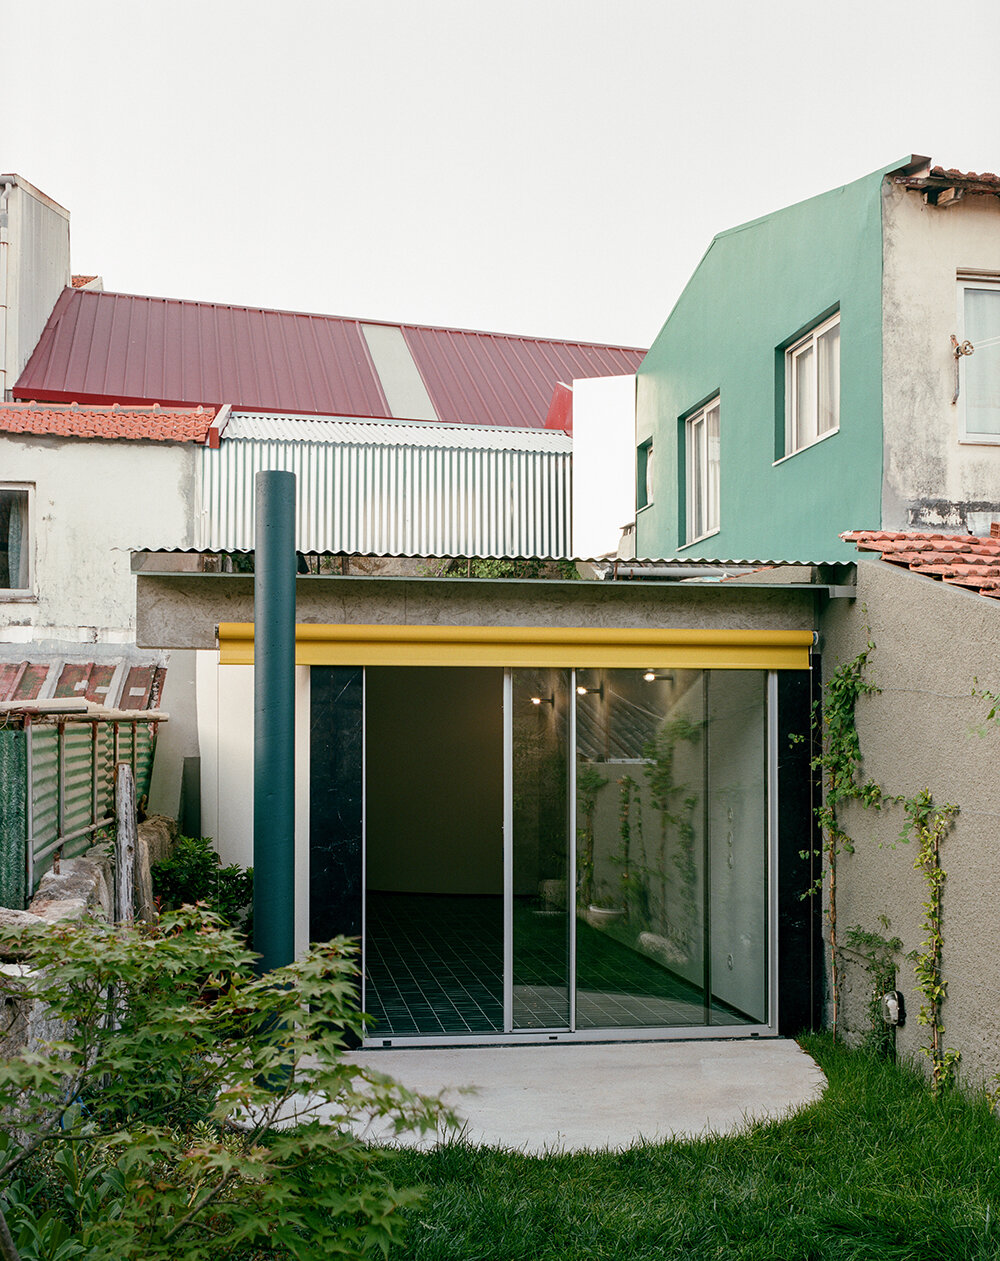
545	167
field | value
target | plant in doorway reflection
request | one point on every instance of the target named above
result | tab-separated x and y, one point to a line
675	804
588	784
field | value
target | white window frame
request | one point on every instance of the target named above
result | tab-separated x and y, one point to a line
968	281
802	432
702	471
24	593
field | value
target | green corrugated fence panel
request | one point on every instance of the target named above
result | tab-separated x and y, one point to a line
13	817
145	745
44	752
135	746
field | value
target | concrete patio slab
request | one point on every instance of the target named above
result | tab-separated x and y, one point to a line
613	1095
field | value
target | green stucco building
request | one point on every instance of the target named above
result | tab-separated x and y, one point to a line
805	382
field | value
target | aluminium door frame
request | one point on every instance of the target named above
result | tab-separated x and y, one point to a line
508	1036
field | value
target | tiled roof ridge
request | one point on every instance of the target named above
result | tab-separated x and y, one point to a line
115	420
356	319
965	560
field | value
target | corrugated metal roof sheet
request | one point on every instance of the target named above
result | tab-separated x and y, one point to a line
100	346
378	498
262	426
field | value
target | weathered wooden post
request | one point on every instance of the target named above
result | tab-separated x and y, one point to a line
126	840
274	720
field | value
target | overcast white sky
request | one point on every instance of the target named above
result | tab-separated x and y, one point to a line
528	166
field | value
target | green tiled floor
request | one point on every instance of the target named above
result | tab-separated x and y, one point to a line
434	965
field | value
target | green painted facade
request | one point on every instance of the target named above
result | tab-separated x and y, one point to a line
757	289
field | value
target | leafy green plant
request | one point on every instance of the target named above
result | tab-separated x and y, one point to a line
588	784
839	763
676	805
931	825
877	954
194	873
146	1020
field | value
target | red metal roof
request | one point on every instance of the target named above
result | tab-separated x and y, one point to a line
98	347
157	423
965	560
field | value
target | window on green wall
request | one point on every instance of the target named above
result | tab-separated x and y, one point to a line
644	475
979	372
812	386
701	458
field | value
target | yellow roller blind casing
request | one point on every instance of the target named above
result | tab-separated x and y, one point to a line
639	648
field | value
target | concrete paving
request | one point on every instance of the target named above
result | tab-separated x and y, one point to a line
614	1095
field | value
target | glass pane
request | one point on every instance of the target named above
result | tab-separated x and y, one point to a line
670	787
540	939
13	539
982	369
712	445
828	371
434	803
695	477
737	827
805	397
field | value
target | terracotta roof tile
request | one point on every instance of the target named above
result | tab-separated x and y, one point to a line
962	560
151	423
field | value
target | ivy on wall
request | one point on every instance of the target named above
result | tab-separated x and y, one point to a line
840	763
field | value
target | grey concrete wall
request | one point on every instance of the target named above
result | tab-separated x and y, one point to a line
183	610
932	641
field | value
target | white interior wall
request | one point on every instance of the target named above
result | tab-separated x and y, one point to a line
225	728
603	463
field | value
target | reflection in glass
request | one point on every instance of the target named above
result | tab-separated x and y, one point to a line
671	848
540	707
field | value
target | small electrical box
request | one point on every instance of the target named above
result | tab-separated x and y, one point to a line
893	1008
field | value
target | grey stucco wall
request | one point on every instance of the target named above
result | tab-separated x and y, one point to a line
182	611
921	731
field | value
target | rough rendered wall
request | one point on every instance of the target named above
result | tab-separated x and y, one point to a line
93	501
930	478
931	641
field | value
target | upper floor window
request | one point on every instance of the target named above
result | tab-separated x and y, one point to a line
812	386
979	379
15	567
701	450
644	475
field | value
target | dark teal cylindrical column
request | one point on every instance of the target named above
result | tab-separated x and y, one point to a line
274	720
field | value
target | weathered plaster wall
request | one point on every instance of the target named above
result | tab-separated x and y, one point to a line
758	286
930	478
920	732
93	502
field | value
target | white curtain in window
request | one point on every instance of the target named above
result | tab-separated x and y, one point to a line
14	539
982	368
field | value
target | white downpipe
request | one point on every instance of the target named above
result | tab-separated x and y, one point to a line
8	184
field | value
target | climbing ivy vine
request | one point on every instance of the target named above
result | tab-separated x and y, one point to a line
840	763
930	825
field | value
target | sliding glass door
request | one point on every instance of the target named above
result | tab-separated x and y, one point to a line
558	853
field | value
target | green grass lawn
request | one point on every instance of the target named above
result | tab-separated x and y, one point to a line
876	1169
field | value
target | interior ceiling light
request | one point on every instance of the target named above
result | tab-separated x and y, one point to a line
658	676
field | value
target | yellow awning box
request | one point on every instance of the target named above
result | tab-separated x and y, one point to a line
583	647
